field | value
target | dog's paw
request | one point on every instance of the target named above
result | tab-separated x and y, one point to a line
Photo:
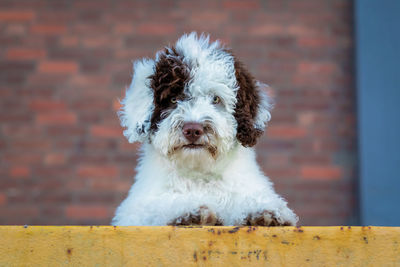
202	217
265	218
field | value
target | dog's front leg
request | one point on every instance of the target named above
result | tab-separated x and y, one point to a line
203	216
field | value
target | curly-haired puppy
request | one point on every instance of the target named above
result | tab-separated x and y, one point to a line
198	113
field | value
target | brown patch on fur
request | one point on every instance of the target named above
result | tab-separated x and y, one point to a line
246	108
213	151
202	217
167	82
265	218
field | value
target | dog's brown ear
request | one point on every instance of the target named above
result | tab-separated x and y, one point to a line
252	107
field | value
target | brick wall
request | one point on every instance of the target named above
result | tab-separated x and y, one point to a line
64	64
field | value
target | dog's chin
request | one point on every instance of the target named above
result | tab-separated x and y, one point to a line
194	156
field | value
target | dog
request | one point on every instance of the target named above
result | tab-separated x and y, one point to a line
198	113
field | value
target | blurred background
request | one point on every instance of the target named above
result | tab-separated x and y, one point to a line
65	64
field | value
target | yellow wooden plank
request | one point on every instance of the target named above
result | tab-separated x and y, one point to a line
199	246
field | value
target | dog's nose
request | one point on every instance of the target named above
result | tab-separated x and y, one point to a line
192	131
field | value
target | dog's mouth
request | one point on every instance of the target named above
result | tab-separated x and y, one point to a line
197	147
193	146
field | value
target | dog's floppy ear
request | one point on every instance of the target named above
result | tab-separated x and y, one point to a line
137	106
252	110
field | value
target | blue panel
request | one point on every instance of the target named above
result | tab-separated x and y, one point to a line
378	85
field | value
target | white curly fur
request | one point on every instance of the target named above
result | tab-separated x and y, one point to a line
172	180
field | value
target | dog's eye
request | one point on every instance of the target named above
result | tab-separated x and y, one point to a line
174	100
216	100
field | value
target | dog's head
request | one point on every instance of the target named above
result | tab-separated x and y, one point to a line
194	100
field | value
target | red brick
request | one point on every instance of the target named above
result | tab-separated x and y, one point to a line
302	31
46	105
99	145
152	28
52	178
267	29
117	104
76	185
19	214
3	199
278	159
12	157
312	68
89	118
69	41
213	17
25	53
320	172
98	105
306	118
241	5
93	28
286	132
64	131
102	41
125	146
20	172
281	173
311	158
316	42
107	184
47	29
133	53
15	30
12	67
91	159
64	67
54	159
124	158
123	186
42	81
197	5
31	144
16	15
87	212
91	80
123	28
106	131
104	198
97	171
15	118
127	173
281	145
307	6
51	197
56	118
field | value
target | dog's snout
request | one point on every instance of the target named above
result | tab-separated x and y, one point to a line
192	131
